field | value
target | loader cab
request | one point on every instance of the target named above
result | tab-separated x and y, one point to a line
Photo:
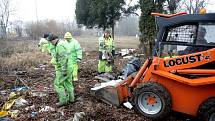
184	34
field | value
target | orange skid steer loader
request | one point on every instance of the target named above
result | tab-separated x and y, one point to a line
181	75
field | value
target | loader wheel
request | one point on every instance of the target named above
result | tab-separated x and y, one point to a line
152	100
207	110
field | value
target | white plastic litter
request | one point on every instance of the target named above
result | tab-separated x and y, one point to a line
47	109
78	116
38	94
4	92
128	105
128	57
30	107
105	84
126	51
20	102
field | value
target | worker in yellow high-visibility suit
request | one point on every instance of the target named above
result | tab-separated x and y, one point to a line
106	53
76	53
44	44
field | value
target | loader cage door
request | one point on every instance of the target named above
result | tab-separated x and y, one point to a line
187	39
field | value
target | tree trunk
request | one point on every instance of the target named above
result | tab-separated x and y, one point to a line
112	31
4	32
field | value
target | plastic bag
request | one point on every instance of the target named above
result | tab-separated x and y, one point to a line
132	66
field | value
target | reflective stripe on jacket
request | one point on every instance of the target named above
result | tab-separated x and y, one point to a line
106	44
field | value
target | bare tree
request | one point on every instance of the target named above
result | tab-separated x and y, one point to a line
5	13
18	26
37	29
192	6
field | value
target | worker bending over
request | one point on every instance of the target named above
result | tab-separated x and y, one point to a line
62	82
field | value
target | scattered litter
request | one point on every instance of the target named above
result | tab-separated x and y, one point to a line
47	109
105	84
128	57
78	116
126	51
8	104
4	113
21	72
3	92
20	88
132	66
20	102
12	95
6	119
38	94
34	114
14	113
128	105
30	107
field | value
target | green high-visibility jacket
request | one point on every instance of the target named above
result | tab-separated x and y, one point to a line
61	56
106	44
75	50
51	49
43	45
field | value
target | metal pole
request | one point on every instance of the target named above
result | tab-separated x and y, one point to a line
36	10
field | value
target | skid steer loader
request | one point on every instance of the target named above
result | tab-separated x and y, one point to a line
181	75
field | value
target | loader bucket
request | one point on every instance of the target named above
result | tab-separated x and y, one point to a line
108	95
117	92
113	93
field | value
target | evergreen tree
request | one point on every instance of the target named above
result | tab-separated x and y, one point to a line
82	12
101	13
147	25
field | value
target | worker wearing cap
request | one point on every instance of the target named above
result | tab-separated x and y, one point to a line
43	44
106	53
62	82
76	53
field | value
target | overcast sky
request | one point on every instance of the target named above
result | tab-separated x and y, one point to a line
55	9
46	9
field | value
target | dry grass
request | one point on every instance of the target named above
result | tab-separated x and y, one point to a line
23	54
23	60
20	55
91	43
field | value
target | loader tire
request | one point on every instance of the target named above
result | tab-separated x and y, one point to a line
152	100
207	110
